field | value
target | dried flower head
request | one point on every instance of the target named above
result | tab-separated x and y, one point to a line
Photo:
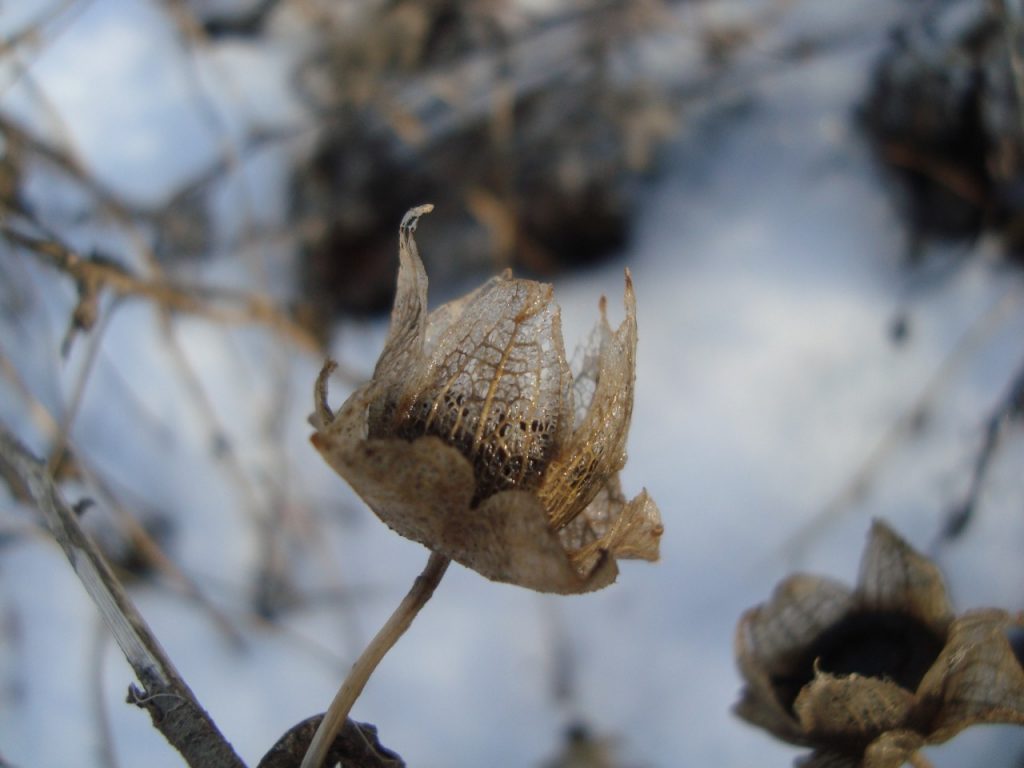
474	439
868	676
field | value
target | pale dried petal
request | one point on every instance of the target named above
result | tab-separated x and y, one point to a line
422	490
597	448
442	318
851	708
611	526
636	534
758	706
512	542
777	635
496	387
404	346
977	678
895	578
771	646
412	486
892	749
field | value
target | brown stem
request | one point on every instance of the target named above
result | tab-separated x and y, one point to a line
217	304
164	694
382	642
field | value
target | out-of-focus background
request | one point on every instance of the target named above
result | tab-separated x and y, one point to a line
822	206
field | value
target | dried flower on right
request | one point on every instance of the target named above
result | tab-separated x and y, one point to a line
868	676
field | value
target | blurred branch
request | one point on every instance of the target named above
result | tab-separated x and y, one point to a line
141	540
248	23
1010	406
33	33
171	704
860	482
423	109
430	106
97	273
22	141
1013	18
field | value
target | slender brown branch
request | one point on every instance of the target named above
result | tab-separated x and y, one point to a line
164	694
381	643
172	296
1009	407
141	540
860	482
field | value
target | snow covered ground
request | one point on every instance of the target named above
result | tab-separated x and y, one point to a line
767	265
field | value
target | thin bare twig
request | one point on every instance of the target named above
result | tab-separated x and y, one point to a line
383	641
140	539
164	694
171	296
858	484
1010	406
59	446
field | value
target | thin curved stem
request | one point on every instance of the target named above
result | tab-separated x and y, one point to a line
371	656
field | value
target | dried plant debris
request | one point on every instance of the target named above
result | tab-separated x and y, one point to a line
946	114
870	675
356	746
531	138
475	439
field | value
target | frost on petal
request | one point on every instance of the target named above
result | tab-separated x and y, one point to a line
851	708
977	678
894	577
496	387
597	448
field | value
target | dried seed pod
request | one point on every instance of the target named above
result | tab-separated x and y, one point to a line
868	676
474	439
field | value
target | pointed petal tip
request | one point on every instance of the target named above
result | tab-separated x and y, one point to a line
412	216
882	534
881	527
322	413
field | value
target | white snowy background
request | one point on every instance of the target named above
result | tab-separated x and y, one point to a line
767	259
